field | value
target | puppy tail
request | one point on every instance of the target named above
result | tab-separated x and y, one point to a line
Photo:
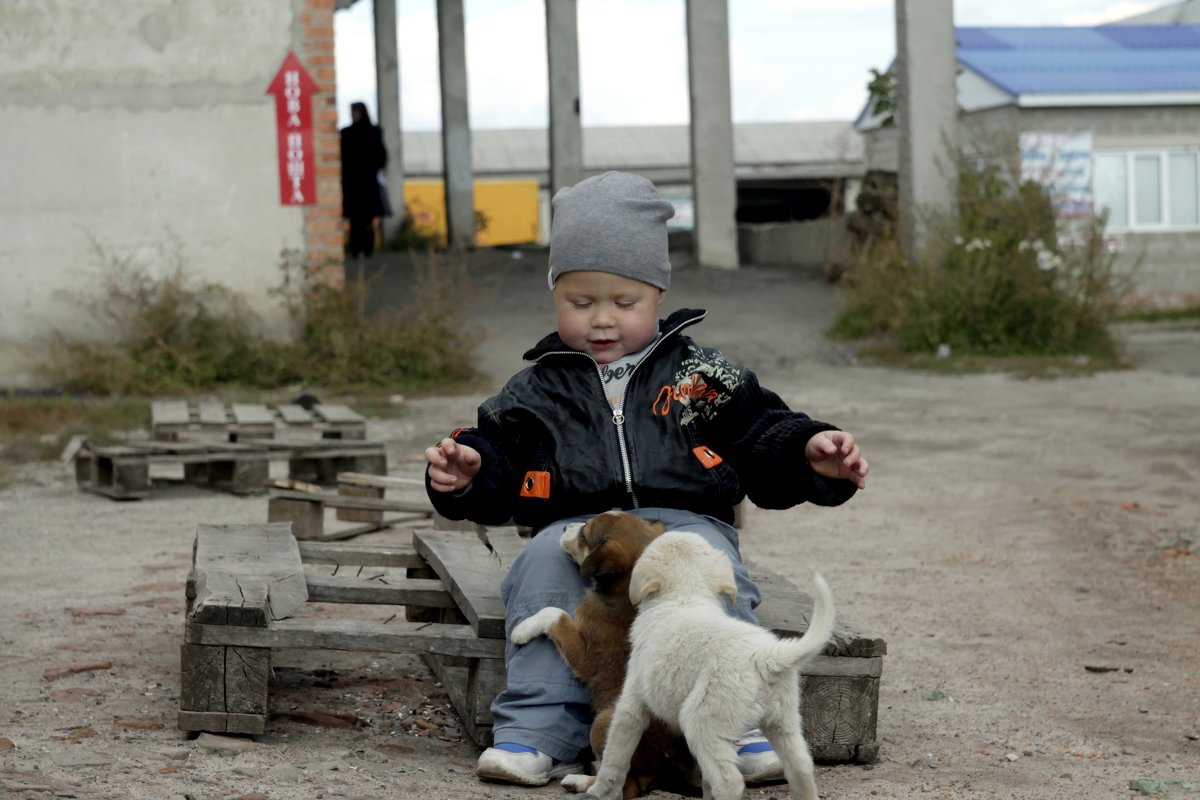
792	652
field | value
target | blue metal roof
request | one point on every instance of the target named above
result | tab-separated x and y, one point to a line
1109	59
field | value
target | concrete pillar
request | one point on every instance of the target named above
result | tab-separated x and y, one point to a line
457	172
562	61
927	116
387	100
714	184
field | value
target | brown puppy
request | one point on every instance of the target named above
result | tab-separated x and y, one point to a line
595	643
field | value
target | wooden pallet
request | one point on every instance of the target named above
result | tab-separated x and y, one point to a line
179	420
122	472
359	499
236	616
455	621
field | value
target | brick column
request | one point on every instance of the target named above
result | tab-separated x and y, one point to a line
323	239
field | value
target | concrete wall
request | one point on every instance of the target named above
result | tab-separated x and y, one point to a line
137	122
1166	266
811	244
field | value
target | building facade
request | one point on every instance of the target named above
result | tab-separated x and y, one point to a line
1132	93
147	132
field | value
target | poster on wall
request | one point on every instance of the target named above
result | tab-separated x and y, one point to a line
293	88
1062	163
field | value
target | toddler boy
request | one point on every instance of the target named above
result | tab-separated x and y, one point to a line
619	410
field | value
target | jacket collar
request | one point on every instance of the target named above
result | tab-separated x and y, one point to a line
673	324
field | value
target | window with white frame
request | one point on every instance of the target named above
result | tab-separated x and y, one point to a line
1148	190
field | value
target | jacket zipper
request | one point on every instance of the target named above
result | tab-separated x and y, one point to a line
618	416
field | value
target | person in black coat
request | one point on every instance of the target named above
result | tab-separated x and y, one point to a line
363	156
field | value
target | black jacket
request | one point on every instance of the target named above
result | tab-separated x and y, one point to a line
698	434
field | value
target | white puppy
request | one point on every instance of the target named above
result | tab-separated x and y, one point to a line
706	674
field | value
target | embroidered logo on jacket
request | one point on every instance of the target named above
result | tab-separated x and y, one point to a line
704	382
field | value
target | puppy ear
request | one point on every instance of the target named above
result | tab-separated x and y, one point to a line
729	590
642	586
659	526
595	564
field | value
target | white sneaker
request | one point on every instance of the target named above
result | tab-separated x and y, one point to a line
522	768
757	760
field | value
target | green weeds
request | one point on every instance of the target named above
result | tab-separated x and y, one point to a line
1008	283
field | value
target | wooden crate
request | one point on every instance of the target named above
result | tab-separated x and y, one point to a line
357	484
205	420
123	471
245	590
305	506
455	621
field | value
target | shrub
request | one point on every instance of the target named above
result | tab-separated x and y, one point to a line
1007	281
176	334
155	334
418	347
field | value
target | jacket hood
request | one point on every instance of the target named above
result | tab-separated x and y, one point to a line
675	322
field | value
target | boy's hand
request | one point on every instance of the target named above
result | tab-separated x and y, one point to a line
452	466
835	454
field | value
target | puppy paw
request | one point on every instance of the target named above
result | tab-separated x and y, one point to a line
577	783
537	625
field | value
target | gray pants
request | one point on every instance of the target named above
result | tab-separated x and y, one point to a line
543	705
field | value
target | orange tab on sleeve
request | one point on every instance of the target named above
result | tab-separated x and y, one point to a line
706	456
536	484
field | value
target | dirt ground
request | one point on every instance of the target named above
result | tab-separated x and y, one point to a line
1030	550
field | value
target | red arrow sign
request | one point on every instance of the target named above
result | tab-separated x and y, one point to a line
293	88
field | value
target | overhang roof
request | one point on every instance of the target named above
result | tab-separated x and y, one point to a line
660	152
1102	61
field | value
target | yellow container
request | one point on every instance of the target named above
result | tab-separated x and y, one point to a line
506	212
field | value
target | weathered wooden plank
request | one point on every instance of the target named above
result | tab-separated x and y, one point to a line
380	481
471	689
212	414
843	667
253	414
168	418
340	422
359	530
305	513
486	678
786	610
444	524
373	516
157	446
294	415
195	457
240	475
231	680
389	590
395	555
217	722
841	712
247	574
334	414
471	574
294	485
336	448
332	500
505	544
169	412
394	636
124	476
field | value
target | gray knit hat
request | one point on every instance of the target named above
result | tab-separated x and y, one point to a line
614	222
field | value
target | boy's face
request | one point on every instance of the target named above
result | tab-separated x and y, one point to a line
604	315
